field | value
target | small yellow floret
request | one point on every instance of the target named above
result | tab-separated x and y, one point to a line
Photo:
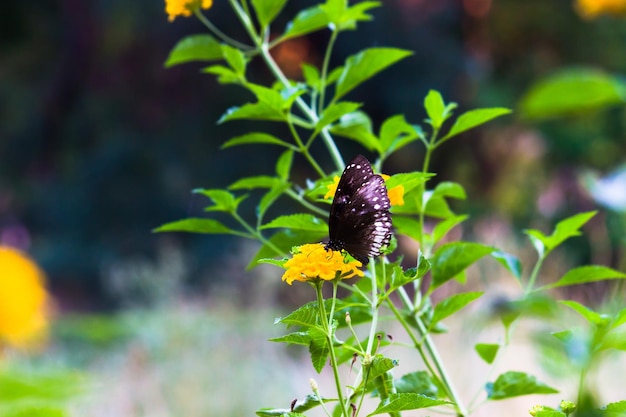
396	194
313	261
23	299
332	188
185	8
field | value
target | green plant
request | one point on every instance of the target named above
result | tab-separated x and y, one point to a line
315	110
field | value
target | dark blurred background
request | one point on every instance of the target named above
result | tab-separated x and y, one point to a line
99	143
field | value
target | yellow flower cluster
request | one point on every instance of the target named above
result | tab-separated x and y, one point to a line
23	299
396	194
591	9
175	8
313	261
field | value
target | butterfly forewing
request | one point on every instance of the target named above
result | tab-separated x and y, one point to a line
359	221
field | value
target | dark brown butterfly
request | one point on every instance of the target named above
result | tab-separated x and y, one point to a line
360	221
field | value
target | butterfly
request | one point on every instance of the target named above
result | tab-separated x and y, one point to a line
360	221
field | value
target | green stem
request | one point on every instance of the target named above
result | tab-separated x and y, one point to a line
324	72
416	343
303	149
329	340
434	355
264	49
224	37
291	193
533	276
374	306
257	234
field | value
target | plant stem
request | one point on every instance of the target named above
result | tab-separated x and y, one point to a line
257	234
324	73
329	340
434	355
224	37
533	276
263	48
374	306
291	193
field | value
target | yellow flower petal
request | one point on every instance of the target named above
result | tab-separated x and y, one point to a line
313	261
23	299
175	8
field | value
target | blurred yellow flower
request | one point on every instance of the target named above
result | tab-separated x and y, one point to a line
313	261
591	9
23	299
175	8
396	194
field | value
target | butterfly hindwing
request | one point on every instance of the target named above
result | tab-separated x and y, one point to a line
360	221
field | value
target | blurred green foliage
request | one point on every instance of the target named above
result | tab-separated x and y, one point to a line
99	143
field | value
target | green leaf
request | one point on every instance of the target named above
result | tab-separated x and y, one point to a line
381	365
358	127
549	413
400	277
311	76
448	306
570	92
194	48
510	262
270	198
395	133
276	262
222	200
584	274
564	229
298	222
435	108
253	111
487	351
277	412
283	165
283	241
589	315
514	384
236	59
407	226
43	388
224	74
250	183
255	138
473	118
296	338
615	409
409	180
334	112
318	348
406	401
342	17
419	382
453	258
307	21
614	339
198	225
267	10
305	316
444	226
364	65
447	189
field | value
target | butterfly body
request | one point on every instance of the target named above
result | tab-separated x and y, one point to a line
360	221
